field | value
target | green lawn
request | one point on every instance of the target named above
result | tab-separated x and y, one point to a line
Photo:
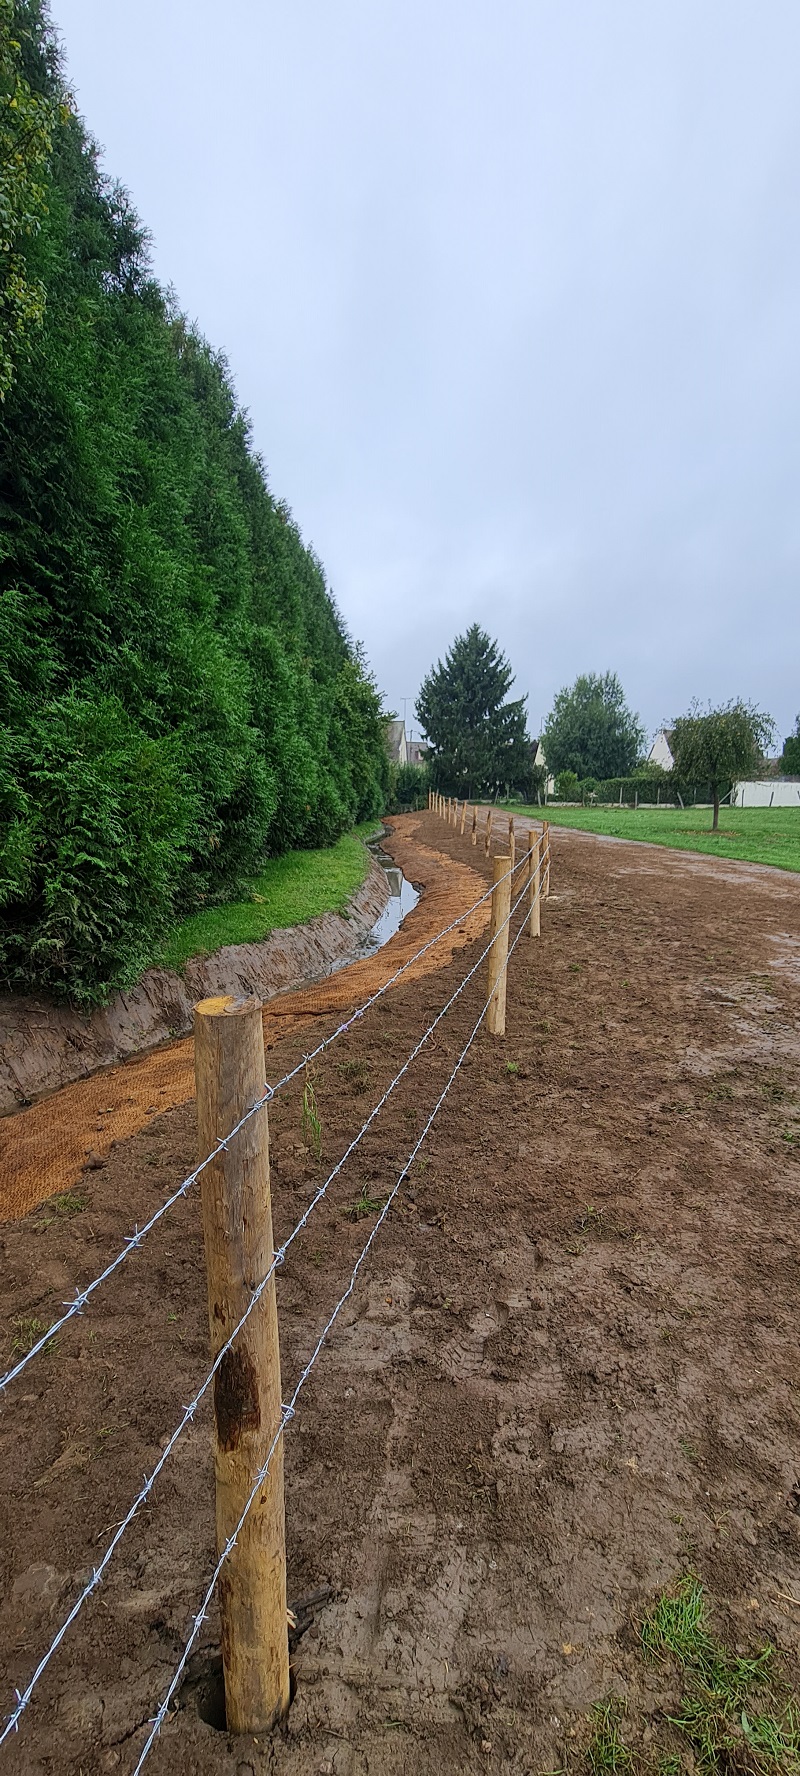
758	835
291	890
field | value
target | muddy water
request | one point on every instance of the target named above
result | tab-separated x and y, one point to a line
403	898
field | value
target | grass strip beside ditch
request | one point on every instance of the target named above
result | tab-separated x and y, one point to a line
290	890
754	835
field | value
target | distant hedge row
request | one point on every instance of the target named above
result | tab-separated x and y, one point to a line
667	788
178	695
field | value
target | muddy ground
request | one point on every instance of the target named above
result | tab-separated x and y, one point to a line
568	1374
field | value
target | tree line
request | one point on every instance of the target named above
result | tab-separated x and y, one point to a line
478	744
179	696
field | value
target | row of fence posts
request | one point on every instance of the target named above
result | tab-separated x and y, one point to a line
535	879
237	1232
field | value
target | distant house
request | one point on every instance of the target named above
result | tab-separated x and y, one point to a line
417	752
541	764
396	743
661	750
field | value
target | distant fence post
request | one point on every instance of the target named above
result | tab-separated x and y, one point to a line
474	826
498	954
488	839
534	925
546	849
512	842
463	819
237	1230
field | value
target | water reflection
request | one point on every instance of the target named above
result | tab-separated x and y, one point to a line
403	897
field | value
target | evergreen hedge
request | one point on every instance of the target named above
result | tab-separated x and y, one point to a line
179	697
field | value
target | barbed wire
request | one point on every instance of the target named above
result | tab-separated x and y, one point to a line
288	1410
134	1240
24	1697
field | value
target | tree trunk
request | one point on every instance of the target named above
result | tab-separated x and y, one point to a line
715	822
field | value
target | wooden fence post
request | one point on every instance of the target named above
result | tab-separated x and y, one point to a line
488	839
534	925
463	818
498	954
474	826
512	842
237	1230
546	848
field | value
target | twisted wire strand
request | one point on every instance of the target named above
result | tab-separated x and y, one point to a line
134	1240
24	1697
288	1410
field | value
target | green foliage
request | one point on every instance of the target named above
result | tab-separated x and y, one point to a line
27	121
477	740
653	785
568	788
591	730
719	745
790	757
178	697
408	787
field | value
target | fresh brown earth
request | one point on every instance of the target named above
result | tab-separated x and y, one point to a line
45	1149
569	1371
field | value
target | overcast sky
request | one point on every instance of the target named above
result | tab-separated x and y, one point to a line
511	290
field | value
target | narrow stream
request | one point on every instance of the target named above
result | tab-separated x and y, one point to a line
403	897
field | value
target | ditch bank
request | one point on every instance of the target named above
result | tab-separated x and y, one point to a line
46	1147
44	1046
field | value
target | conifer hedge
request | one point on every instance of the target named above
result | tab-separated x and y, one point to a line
179	697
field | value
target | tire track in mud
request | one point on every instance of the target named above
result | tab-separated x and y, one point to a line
46	1148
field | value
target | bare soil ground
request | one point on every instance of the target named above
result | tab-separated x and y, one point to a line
568	1374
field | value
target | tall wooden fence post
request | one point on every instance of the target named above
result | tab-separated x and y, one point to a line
546	849
534	925
512	842
498	954
474	826
463	819
237	1230
488	839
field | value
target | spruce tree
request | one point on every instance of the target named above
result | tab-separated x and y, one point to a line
477	741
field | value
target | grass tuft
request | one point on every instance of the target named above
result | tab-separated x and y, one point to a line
364	1205
607	1751
310	1122
27	1329
731	1711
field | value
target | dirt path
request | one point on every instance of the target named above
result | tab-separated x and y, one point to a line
45	1149
568	1374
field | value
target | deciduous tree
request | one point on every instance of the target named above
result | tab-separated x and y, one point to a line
591	730
715	746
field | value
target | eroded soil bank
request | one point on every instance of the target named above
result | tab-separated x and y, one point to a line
45	1046
46	1148
568	1373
